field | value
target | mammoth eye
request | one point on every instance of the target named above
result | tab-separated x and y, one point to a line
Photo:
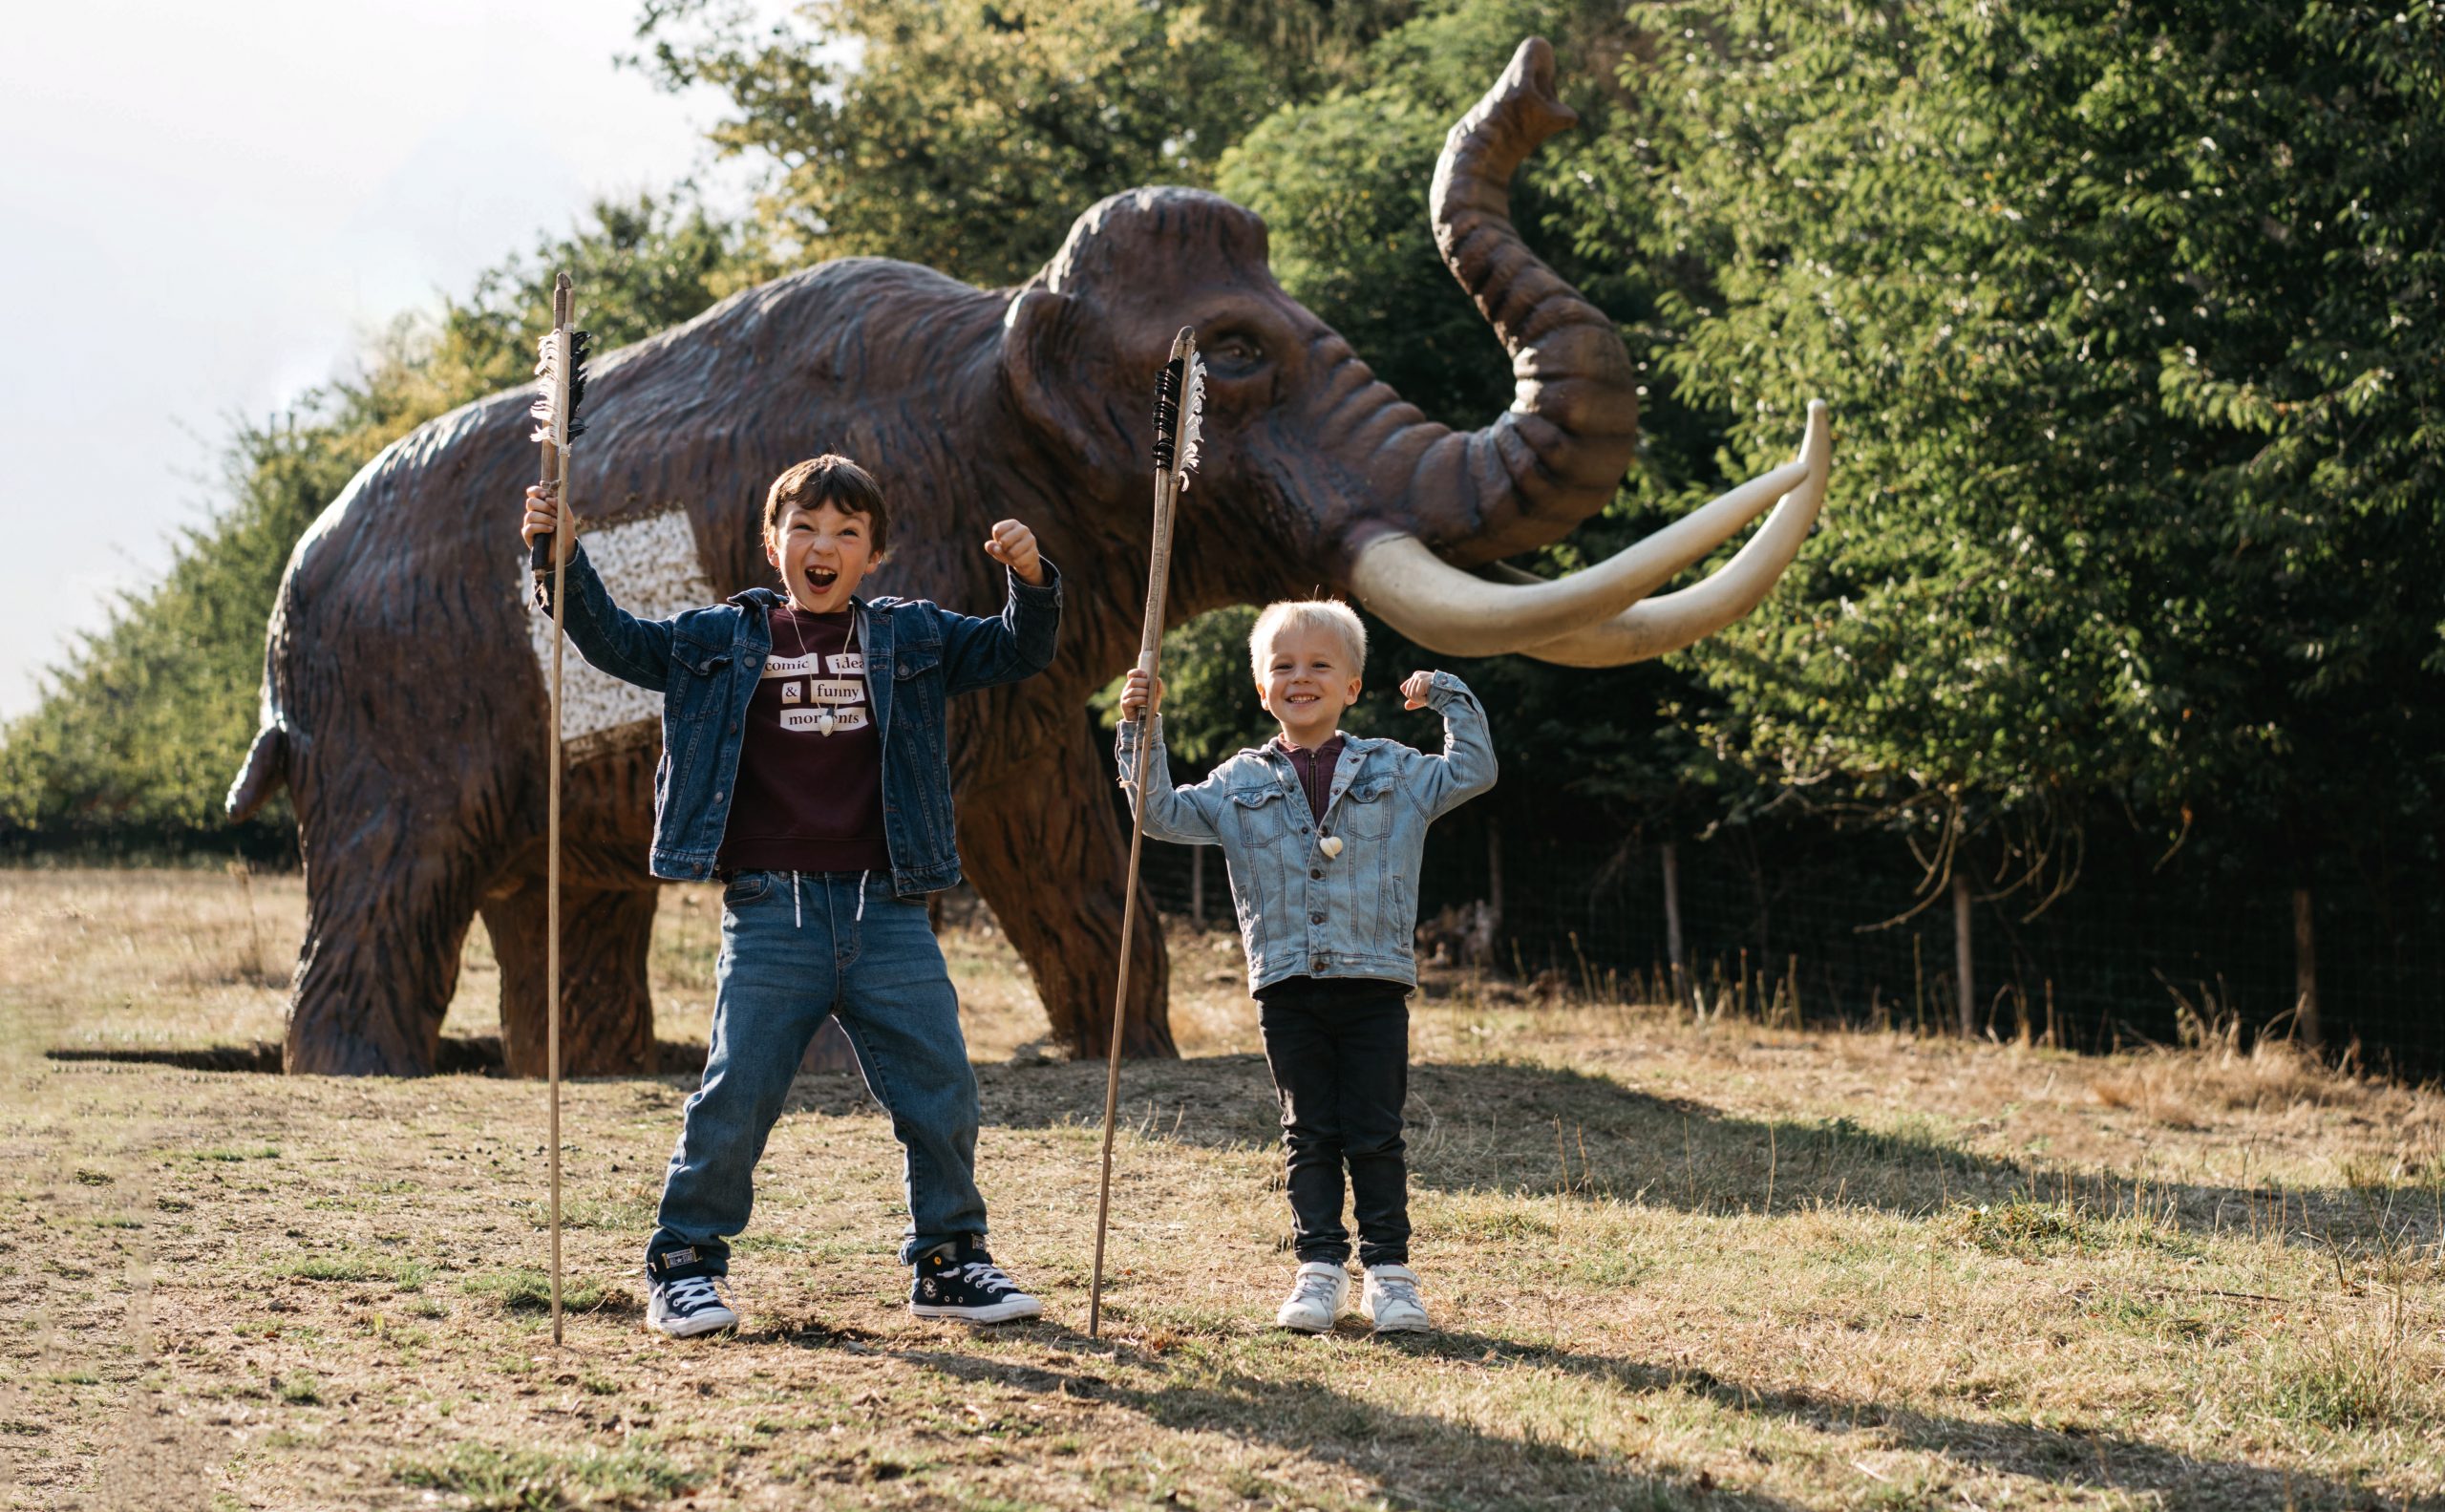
1234	354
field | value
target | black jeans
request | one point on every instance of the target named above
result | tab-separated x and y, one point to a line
1339	1049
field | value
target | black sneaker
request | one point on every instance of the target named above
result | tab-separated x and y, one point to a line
962	1281
689	1305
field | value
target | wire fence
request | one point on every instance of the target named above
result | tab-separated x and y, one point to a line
1806	931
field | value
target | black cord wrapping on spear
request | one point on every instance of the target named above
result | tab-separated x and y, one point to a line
538	554
1167	414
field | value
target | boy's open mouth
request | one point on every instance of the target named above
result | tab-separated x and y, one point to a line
821	579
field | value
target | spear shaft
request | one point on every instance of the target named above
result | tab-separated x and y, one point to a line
1150	650
556	476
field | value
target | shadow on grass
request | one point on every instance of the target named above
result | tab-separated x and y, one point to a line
2072	1457
1420	1459
456	1056
1411	1460
1517	1129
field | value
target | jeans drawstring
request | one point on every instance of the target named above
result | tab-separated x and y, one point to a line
798	904
861	896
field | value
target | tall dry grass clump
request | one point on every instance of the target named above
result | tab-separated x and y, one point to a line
2215	1067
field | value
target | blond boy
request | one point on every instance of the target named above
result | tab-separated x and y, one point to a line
1323	832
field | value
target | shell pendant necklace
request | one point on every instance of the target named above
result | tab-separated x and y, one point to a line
826	718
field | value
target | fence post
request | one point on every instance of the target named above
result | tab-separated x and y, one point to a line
1961	952
1682	987
1196	885
2304	967
1494	876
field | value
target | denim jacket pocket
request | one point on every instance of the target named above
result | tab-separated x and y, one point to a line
915	658
698	658
1365	811
1262	814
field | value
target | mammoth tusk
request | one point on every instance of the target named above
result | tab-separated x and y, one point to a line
1456	612
1695	612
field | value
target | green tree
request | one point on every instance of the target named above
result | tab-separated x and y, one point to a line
968	135
139	733
2128	313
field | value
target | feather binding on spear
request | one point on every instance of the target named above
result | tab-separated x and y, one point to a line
1177	427
1193	419
556	402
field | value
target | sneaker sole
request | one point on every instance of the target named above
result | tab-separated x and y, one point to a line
997	1312
1403	1328
692	1328
1311	1329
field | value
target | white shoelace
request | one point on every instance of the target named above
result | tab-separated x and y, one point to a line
692	1294
1392	1289
985	1273
1319	1289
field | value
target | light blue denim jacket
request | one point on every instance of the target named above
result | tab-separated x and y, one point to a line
1304	913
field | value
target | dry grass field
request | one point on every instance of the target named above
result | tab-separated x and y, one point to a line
1677	1264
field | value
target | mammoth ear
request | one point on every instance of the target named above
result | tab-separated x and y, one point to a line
1041	365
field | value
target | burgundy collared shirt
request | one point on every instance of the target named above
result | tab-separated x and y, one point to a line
1315	769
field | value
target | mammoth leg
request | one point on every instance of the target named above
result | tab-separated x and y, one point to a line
606	1008
384	923
1044	847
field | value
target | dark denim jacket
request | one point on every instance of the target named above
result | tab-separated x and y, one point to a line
706	664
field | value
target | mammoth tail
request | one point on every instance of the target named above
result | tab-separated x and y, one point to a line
266	770
265	773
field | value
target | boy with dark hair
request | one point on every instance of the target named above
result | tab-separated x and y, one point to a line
1322	833
804	764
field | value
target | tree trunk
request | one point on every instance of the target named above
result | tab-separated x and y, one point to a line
2305	970
1196	885
1494	881
1961	953
1681	984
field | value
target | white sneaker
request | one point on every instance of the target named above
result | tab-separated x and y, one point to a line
1391	1301
688	1307
1316	1297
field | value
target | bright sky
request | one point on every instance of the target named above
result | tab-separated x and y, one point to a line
206	208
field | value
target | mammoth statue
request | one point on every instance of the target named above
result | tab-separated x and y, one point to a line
404	700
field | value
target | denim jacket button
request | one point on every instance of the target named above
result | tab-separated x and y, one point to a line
1316	873
1315	917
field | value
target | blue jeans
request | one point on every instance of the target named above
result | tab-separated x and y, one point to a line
796	947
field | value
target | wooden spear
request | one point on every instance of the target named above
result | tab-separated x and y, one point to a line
563	383
1183	377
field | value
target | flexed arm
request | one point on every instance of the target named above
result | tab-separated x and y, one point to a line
1466	766
982	653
